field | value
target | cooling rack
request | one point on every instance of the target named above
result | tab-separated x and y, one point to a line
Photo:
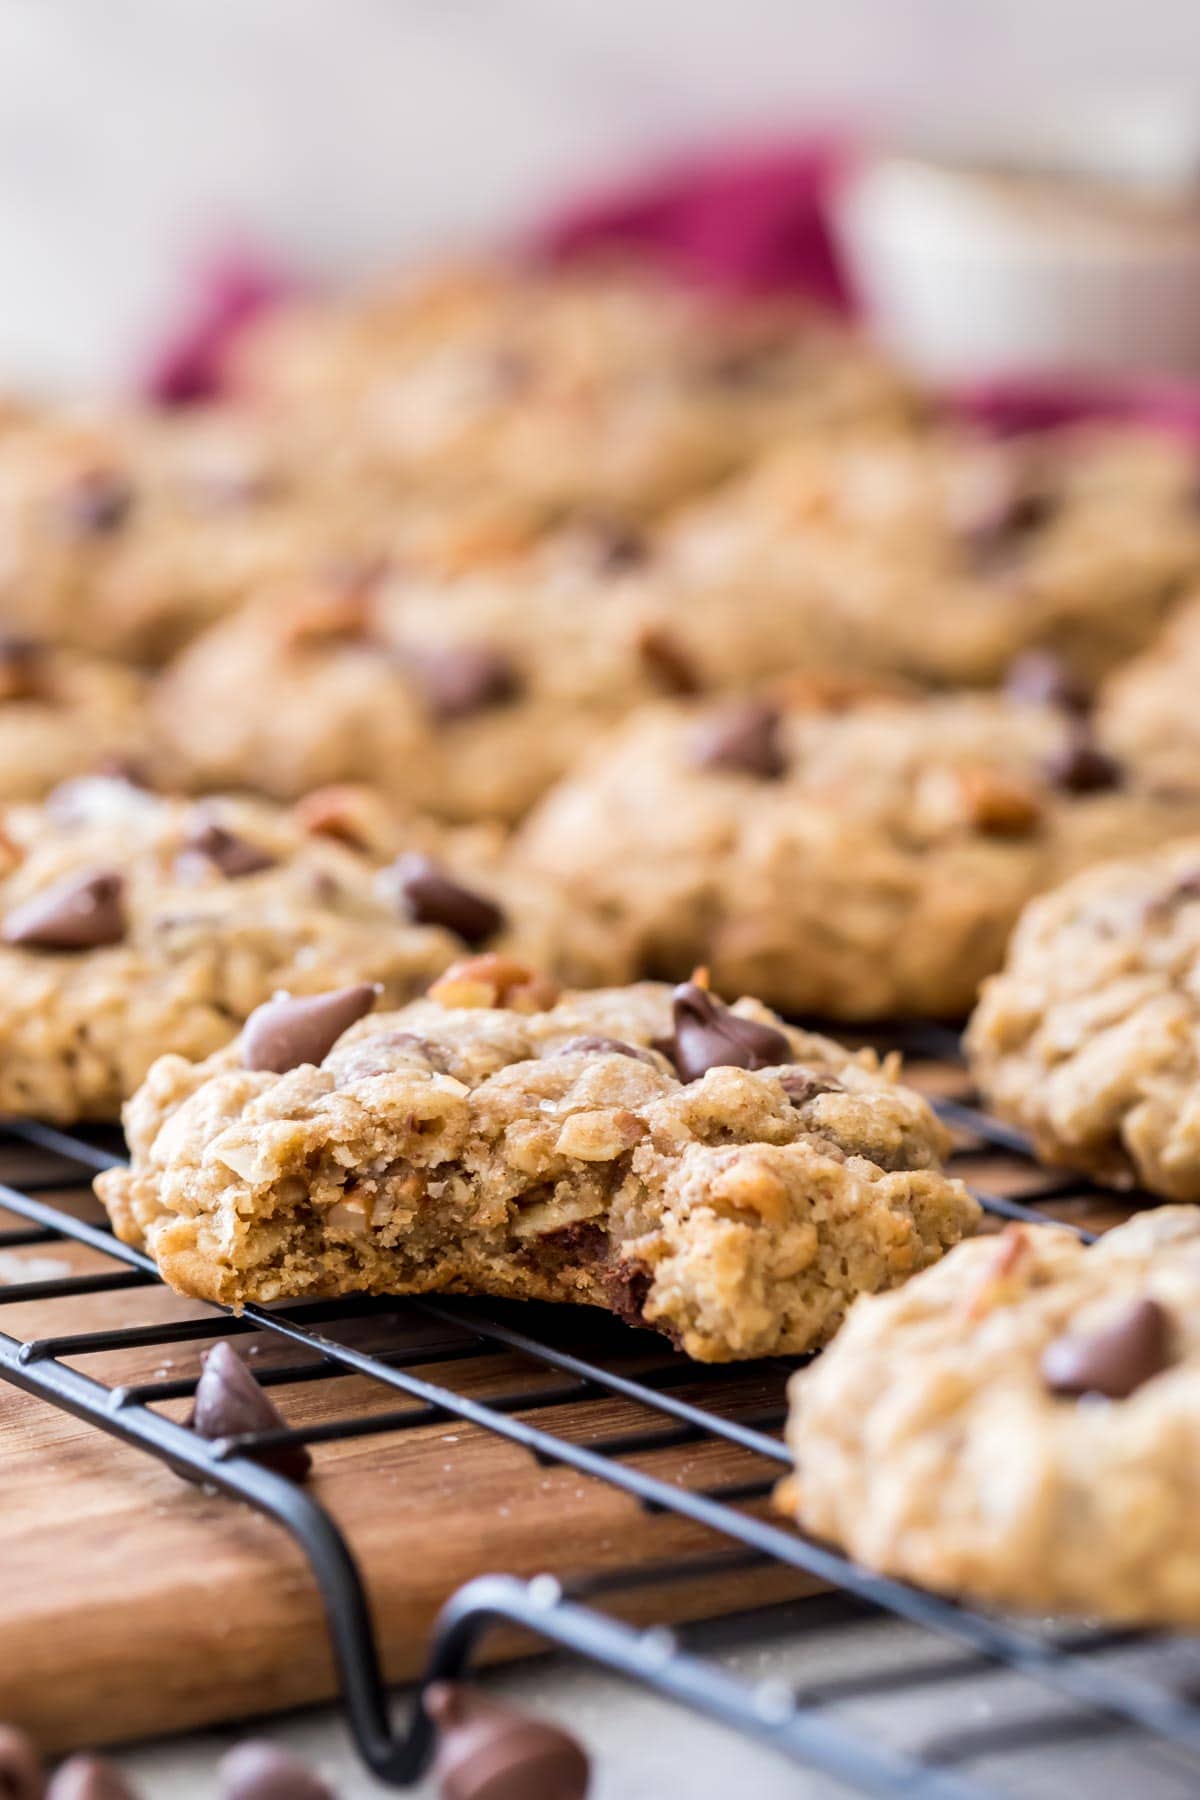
1106	1687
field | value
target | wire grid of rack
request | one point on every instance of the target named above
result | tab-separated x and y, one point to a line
1077	1665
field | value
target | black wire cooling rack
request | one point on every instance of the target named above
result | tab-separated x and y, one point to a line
1091	1670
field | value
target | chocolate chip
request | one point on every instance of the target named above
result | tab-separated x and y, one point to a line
456	682
89	1778
80	912
20	1766
604	1046
490	1752
667	662
1002	525
1082	767
1114	1361
23	669
260	1771
743	740
709	1036
96	504
229	1402
1043	679
289	1031
801	1085
232	855
431	897
616	546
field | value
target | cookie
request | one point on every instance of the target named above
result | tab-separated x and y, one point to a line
63	713
132	924
463	696
564	389
862	860
128	532
1019	1426
1148	707
704	1170
943	556
1088	1039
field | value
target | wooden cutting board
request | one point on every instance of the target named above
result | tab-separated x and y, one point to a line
134	1604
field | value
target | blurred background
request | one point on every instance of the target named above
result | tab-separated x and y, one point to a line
141	138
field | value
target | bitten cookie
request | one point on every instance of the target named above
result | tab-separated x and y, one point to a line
62	714
1089	1038
859	859
1020	1425
943	556
701	1169
465	696
561	389
132	924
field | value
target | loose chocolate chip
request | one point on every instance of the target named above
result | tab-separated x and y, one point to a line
80	912
97	504
289	1031
1115	1361
489	1752
20	1766
232	855
743	740
604	1046
1082	767
23	669
89	1778
260	1771
709	1036
432	898
458	681
801	1085
230	1402
1043	679
667	662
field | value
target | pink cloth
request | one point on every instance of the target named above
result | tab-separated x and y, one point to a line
740	221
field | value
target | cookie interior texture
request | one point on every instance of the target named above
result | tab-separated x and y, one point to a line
936	1439
1089	1039
553	1153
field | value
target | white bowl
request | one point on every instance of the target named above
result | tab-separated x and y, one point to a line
967	272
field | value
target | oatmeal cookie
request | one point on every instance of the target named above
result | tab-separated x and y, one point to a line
1148	707
944	556
701	1169
860	859
463	696
564	389
1020	1425
1089	1039
131	924
63	713
128	532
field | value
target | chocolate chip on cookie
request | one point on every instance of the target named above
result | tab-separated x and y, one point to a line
743	739
1082	767
229	1402
80	912
288	1031
1004	520
458	680
1114	1361
1042	679
431	897
234	856
614	544
20	1766
708	1035
604	1046
667	662
23	669
488	1750
801	1085
96	504
89	1778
